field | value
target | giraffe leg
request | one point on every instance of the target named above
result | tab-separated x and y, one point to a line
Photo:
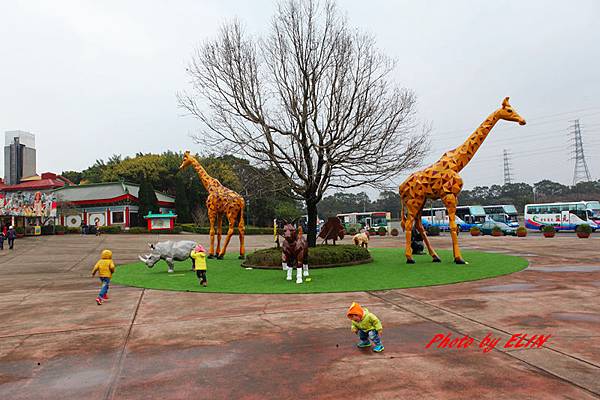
231	218
450	202
219	232
408	224
242	231
212	216
423	233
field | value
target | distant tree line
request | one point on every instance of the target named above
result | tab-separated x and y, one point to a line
518	194
266	194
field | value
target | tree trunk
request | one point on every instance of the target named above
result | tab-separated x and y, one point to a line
311	210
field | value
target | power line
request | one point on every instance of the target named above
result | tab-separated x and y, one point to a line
550	117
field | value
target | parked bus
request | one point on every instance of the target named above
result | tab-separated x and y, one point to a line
563	216
466	217
369	219
593	208
503	213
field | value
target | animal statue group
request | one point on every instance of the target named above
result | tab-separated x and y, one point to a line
220	202
442	181
169	251
294	252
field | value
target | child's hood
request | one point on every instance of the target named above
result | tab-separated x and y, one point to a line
106	255
356	309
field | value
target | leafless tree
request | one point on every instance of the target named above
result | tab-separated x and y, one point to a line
312	99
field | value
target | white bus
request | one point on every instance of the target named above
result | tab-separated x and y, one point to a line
506	213
593	208
563	216
466	217
368	219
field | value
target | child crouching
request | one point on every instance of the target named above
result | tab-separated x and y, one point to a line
199	257
367	326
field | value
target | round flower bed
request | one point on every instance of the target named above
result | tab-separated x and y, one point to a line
323	256
475	231
521	231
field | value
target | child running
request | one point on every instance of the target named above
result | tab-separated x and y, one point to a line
199	257
105	268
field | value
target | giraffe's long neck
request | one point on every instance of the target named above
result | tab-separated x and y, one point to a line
466	151
207	180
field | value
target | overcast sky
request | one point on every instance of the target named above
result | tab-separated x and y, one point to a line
96	78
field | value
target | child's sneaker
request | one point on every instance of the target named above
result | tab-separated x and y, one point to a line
105	297
99	301
363	344
378	348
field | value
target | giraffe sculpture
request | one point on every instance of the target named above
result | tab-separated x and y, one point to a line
220	201
442	181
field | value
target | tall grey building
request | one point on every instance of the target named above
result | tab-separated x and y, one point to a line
19	156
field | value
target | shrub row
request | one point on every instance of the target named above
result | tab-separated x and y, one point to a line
205	230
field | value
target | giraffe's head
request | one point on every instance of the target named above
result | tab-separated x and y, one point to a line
187	160
508	113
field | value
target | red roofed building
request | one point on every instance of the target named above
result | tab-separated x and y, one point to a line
113	203
48	181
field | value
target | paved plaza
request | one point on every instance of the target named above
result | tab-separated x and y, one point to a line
56	343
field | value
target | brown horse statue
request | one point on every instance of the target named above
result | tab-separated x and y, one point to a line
295	252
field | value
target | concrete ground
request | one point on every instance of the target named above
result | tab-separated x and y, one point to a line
56	343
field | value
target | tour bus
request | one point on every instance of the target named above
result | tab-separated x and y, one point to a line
503	213
563	216
369	219
466	217
593	208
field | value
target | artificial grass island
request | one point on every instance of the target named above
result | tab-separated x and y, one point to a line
386	270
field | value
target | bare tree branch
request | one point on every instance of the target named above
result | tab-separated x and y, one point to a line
312	100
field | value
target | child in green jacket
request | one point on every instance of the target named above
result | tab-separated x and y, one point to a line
367	326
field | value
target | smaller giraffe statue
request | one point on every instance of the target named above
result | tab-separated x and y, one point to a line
220	201
442	181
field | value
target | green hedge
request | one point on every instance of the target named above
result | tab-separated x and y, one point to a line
72	229
110	229
139	230
320	255
205	230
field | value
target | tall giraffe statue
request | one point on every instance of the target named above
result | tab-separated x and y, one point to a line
442	181
220	200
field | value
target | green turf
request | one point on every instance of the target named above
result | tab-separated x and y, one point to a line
388	271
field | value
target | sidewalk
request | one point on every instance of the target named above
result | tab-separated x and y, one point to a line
56	343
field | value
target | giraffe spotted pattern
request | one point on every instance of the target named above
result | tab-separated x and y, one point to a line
442	181
220	202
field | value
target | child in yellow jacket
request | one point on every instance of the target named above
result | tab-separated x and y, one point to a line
367	326
105	268
199	257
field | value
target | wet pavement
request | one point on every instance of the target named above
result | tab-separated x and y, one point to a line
56	343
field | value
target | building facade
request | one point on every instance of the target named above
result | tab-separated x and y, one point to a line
104	204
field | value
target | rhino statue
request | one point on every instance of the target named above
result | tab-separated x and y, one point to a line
169	251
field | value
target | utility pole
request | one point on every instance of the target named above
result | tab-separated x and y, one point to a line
581	173
507	173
